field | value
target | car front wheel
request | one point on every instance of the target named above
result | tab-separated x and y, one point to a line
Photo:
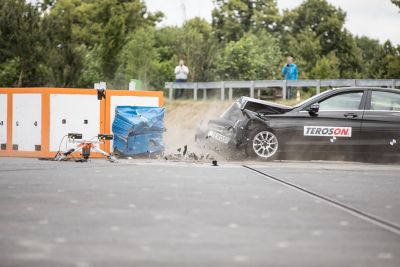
262	144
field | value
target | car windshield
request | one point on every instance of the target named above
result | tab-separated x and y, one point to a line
311	98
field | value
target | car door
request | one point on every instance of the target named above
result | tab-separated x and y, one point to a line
335	127
381	123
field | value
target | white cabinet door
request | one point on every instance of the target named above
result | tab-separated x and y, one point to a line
3	121
27	122
73	114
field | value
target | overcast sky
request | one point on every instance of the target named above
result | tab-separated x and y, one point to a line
378	19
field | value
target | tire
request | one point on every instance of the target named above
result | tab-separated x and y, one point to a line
262	144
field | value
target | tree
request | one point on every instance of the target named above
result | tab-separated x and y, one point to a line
98	27
198	46
386	62
251	58
327	23
233	18
370	49
326	67
306	50
396	2
138	57
20	42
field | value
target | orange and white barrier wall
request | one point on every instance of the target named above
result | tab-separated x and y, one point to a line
33	121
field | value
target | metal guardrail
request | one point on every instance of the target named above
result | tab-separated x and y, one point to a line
264	84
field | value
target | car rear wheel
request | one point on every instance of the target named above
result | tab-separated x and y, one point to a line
262	144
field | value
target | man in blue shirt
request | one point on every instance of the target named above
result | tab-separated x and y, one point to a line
290	72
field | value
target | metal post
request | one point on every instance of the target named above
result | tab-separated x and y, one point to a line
252	89
393	84
195	92
284	88
354	83
230	94
318	87
223	91
171	92
204	94
258	93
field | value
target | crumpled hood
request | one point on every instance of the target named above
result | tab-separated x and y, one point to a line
265	107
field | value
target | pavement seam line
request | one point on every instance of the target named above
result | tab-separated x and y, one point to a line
393	228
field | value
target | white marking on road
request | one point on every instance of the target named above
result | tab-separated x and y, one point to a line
388	206
385	256
233	225
282	244
194	235
158	217
74	201
344	223
255	197
145	248
111	195
167	198
114	228
82	264
240	258
30	209
43	222
294	209
60	240
316	233
227	203
132	206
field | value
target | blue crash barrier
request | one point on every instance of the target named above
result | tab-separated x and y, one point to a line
138	130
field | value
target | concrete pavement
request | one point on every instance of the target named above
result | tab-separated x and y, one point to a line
155	213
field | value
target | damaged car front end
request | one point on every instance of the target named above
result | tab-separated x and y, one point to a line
229	134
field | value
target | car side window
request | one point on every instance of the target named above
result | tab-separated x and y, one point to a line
385	101
345	101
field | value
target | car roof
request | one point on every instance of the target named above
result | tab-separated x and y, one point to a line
367	88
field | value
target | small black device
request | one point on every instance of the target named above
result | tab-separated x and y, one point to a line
75	136
103	137
101	93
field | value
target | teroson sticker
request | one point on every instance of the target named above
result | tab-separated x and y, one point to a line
327	131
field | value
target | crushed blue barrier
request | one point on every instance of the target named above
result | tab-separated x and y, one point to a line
138	130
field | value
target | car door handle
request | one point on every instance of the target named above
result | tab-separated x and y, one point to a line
351	115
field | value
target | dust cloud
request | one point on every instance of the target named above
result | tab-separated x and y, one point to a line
183	117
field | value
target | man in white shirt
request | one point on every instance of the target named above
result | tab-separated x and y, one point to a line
181	74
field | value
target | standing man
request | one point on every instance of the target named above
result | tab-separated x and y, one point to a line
290	72
181	74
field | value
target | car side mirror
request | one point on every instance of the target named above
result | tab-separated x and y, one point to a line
314	108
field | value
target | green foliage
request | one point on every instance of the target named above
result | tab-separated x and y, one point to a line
396	2
232	19
75	43
20	41
251	58
139	56
326	67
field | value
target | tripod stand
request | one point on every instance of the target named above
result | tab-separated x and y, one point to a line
86	147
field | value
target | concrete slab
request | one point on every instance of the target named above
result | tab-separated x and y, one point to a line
174	214
372	188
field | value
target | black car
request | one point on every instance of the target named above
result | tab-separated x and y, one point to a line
342	121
